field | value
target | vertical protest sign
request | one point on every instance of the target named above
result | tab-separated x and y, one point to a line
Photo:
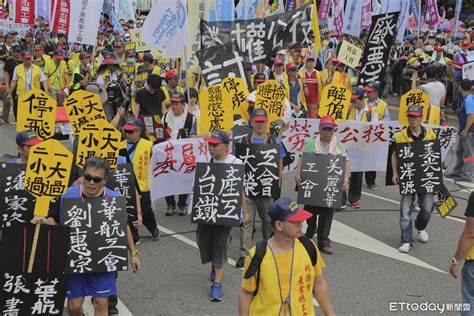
197	11
60	17
217	194
432	9
83	107
84	21
271	96
366	14
377	49
122	180
7	26
36	112
349	54
468	70
25	12
323	11
335	102
352	18
402	22
338	15
153	126
413	97
235	90
216	112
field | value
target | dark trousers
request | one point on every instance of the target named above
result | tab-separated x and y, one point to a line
181	200
324	217
134	230
370	177
355	188
149	219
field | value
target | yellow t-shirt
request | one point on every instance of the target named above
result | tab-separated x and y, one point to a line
267	301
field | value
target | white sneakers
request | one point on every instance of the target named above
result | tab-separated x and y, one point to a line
422	237
405	248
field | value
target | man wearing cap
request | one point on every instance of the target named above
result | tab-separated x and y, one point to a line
259	119
312	86
412	133
24	141
82	74
178	123
337	73
120	56
278	71
8	69
213	240
149	100
56	71
460	58
39	58
138	153
287	277
28	43
463	171
149	62
6	48
171	87
109	71
325	143
294	91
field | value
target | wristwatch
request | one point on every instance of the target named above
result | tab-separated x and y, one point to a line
454	261
134	253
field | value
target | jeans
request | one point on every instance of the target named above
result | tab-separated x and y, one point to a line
426	203
260	206
467	286
324	217
464	149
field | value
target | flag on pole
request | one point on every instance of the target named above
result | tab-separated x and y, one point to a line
316	32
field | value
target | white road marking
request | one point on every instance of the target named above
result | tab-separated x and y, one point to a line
89	308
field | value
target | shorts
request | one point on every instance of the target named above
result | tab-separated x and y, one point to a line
97	284
212	241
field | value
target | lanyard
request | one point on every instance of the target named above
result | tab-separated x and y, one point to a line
287	301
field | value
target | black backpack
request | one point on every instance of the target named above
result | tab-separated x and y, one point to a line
261	249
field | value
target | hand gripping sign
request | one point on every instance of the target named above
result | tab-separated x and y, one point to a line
83	107
335	102
271	96
413	97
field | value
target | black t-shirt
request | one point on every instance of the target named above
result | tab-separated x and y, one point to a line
470	206
10	65
150	104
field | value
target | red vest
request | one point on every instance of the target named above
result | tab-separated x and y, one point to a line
312	84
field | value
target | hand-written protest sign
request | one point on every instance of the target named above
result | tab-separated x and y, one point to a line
322	177
349	54
381	36
271	96
83	107
217	194
419	167
216	112
468	70
36	112
335	102
153	126
235	90
261	169
172	166
444	202
98	234
122	180
98	139
47	173
7	26
413	97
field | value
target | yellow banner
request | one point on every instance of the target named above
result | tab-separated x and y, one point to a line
83	107
36	112
216	110
99	139
335	102
140	46
271	96
234	89
413	97
47	173
349	54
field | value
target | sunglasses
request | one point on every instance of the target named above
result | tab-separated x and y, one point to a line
90	178
327	129
128	131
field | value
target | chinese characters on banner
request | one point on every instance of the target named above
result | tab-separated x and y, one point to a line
444	202
349	54
261	169
235	90
216	112
172	165
335	102
419	167
141	77
84	21
322	177
7	26
122	180
217	194
413	97
153	126
36	112
468	70
377	49
25	12
98	234
338	15
61	16
98	139
47	173
83	107
271	96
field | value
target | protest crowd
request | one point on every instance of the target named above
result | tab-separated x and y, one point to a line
117	108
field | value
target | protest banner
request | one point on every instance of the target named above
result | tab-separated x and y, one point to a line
235	91
413	97
217	194
419	167
84	21
238	133
60	18
366	14
98	234
153	126
349	54
99	139
8	26
83	107
432	9
335	102
377	49
36	112
402	22
271	96
261	169
338	15
140	46
444	202
122	180
323	12
322	177
352	18
216	113
172	165
468	70
198	10
25	12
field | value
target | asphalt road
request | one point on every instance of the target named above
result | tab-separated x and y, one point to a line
366	274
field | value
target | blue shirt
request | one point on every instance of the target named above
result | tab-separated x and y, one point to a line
467	108
294	91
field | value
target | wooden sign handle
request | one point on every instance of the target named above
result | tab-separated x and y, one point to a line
33	248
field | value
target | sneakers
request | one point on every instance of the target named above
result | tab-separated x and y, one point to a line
343	207
405	248
373	187
355	204
138	242
240	262
213	275
182	211
327	250
170	209
5	119
423	236
216	292
156	234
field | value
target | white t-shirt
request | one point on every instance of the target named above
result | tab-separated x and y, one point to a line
175	123
28	77
435	90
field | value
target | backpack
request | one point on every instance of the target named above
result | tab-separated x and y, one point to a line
261	249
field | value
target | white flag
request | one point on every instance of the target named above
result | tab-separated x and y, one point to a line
84	21
166	27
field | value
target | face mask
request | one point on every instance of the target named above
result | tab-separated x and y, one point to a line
131	60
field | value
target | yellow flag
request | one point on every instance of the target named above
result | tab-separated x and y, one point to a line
413	97
271	96
83	107
216	110
316	32
335	102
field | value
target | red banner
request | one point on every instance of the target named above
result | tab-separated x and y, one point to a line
61	16
25	12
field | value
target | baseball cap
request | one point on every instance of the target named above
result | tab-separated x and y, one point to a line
327	121
259	115
84	55
310	57
26	54
38	47
259	77
460	36
108	57
278	61
119	45
148	57
171	74
16	49
357	92
408	37
291	67
285	209
218	137
372	86
415	110
27	138
132	124
438	48
465	43
29	34
59	54
177	97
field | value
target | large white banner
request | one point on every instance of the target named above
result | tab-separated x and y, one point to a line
366	143
172	166
7	26
166	27
84	21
